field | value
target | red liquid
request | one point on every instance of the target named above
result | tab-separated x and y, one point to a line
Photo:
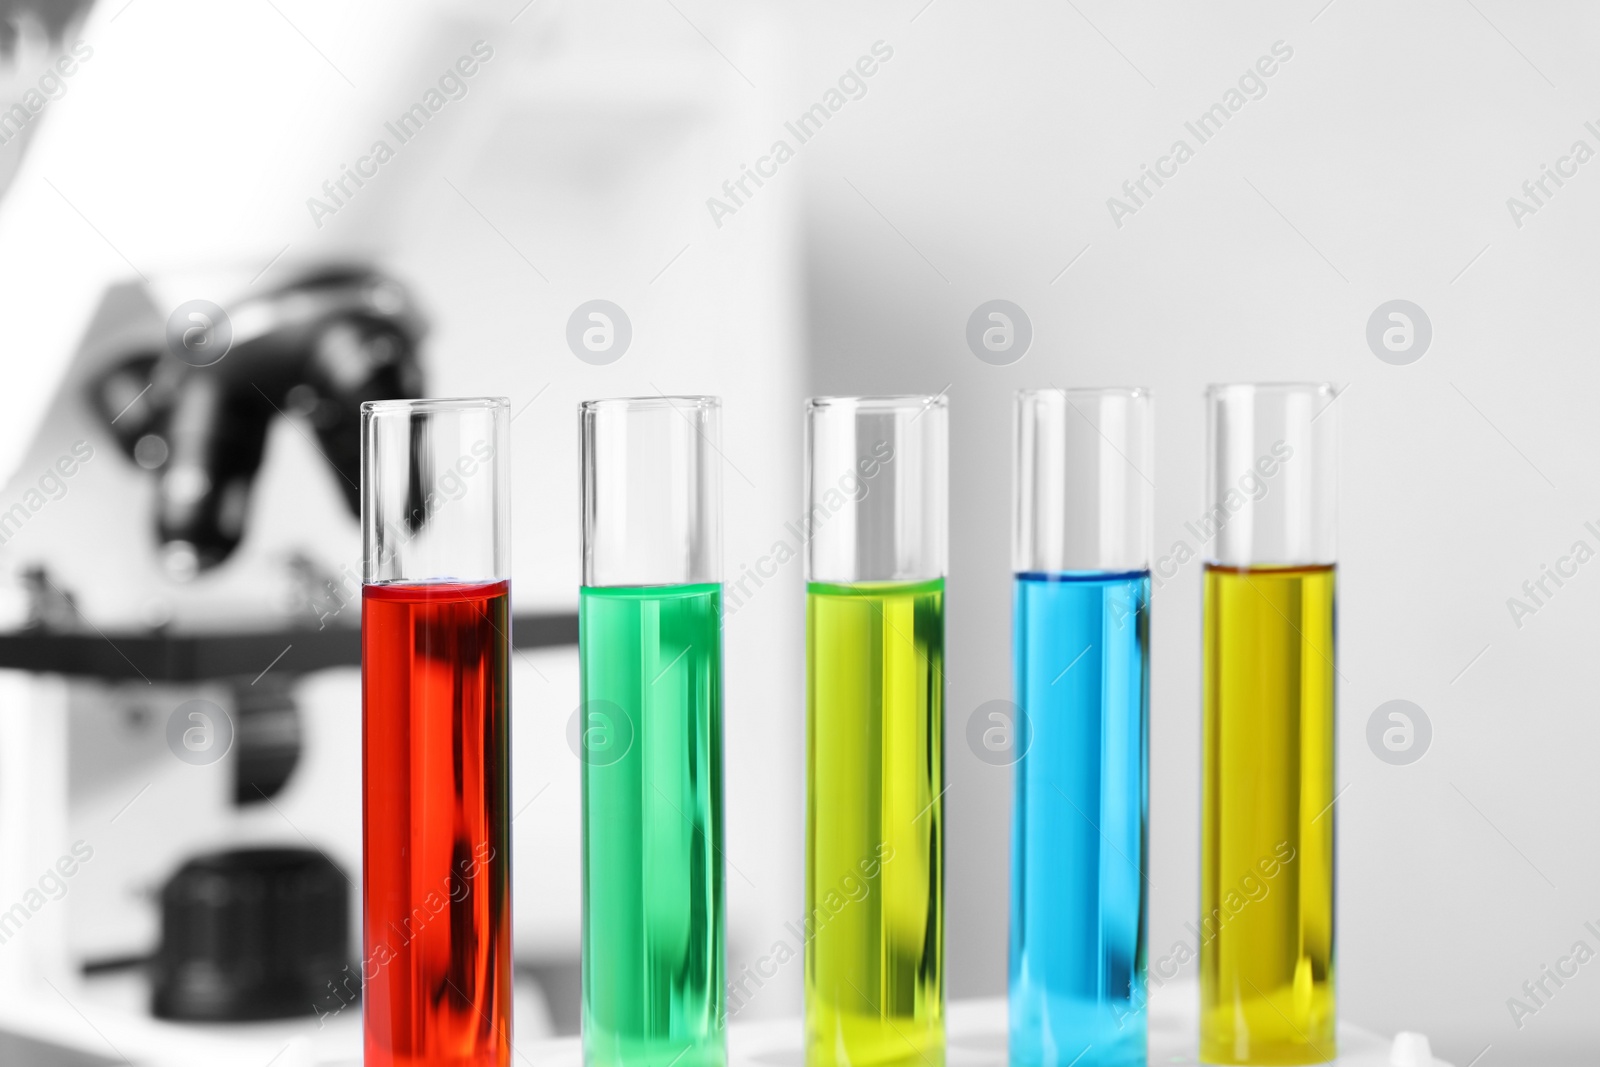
435	692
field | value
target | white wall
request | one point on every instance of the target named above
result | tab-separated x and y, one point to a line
1390	142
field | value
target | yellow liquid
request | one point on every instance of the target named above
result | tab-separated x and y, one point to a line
874	956
1266	931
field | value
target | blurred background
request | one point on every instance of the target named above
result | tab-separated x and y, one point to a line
223	226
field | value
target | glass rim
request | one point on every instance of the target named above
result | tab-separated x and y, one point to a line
629	403
1216	389
446	403
889	403
1131	392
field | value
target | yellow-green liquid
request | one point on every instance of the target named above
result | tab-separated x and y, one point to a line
1267	863
874	920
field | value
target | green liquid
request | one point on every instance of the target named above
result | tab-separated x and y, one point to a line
653	899
875	824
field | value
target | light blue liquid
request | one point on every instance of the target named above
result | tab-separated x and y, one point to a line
1078	903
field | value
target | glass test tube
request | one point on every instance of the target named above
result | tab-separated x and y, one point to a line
435	722
1267	834
875	563
650	651
1081	554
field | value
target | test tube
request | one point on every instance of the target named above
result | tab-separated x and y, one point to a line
1267	832
650	657
1081	647
435	742
875	565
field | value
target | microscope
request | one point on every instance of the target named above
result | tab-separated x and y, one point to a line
201	911
194	888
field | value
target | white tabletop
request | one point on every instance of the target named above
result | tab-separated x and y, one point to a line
975	1032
